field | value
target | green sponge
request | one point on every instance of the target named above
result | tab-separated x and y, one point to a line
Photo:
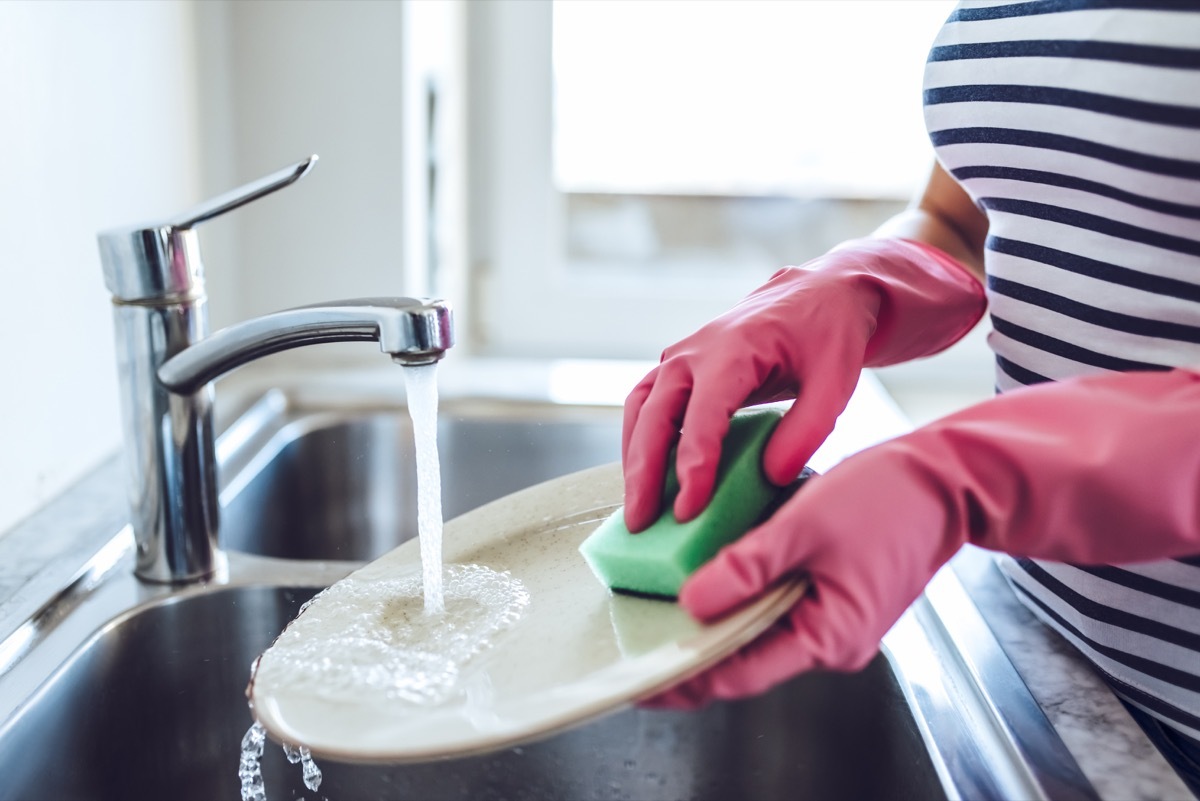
657	560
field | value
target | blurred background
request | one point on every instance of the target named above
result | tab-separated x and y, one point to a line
582	179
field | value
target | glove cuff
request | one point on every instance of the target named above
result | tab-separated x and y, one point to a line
928	299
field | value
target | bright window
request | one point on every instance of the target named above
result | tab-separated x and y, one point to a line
637	166
742	97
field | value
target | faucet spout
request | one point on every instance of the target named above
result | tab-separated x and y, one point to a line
413	331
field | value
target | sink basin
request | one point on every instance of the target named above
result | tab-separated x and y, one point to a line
117	689
153	708
342	484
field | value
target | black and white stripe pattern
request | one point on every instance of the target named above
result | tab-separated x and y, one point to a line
1075	124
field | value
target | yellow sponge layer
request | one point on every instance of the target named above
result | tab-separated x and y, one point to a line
657	560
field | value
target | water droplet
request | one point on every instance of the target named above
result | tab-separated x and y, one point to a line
312	774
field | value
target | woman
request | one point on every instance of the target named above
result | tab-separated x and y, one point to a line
1067	136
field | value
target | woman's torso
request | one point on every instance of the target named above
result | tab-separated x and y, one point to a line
1076	127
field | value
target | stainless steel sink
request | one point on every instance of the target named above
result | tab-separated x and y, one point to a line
341	484
112	688
153	708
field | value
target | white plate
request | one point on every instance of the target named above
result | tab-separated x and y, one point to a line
578	652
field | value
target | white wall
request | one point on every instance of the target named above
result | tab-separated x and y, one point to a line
98	130
122	112
278	82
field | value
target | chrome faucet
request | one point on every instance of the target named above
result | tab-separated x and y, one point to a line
167	361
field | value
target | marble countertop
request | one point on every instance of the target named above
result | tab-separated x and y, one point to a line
47	549
1108	744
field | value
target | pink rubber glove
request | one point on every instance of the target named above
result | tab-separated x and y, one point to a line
807	333
1097	470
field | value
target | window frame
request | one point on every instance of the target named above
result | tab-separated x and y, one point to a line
526	302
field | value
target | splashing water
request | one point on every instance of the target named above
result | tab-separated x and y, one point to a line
312	774
370	640
300	754
250	769
421	386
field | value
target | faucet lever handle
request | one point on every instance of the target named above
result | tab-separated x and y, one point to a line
234	198
160	261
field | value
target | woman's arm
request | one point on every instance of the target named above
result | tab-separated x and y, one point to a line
1100	469
944	216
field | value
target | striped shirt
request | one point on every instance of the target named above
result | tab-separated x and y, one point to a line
1075	125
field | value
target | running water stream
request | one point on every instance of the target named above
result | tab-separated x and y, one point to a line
421	386
366	642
